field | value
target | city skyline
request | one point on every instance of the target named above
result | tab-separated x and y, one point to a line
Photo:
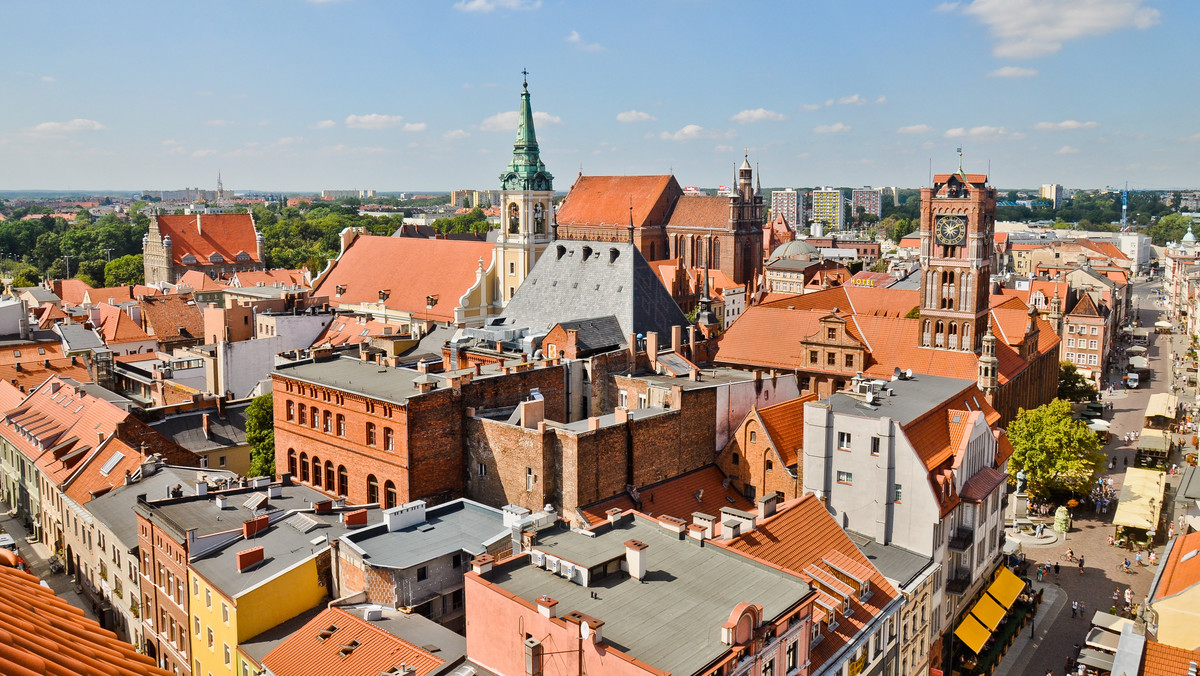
300	96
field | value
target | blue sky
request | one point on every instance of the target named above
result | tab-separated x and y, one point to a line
421	95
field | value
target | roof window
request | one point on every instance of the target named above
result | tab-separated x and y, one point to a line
348	648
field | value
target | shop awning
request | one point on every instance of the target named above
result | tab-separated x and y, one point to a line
1162	325
1141	499
1138	363
1102	639
1095	659
1006	588
988	612
1136	349
1109	621
1154	440
1098	425
1162	404
972	633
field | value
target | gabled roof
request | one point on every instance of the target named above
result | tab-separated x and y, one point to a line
408	270
41	633
117	327
597	333
269	277
31	375
606	200
202	235
49	314
71	291
1175	574
784	422
1160	659
700	211
702	490
803	539
197	280
117	294
172	317
338	643
1086	307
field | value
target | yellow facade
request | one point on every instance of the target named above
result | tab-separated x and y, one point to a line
1179	619
237	619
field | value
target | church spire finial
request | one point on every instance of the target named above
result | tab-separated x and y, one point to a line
526	171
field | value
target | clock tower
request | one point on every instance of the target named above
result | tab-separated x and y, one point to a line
958	218
527	206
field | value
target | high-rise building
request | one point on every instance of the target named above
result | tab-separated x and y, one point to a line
1052	192
829	208
786	203
870	199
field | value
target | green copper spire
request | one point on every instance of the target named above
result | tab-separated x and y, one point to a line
526	171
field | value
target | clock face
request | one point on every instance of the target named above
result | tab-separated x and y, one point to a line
951	229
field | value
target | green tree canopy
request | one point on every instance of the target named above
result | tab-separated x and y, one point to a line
125	270
1072	386
1058	455
260	434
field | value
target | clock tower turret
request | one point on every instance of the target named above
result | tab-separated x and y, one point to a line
958	219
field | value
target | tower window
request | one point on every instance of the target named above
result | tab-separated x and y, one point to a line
512	268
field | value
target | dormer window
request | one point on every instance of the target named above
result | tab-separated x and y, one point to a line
326	632
242	257
188	259
215	257
339	289
816	633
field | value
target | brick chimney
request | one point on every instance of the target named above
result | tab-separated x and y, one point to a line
621	415
252	527
635	558
546	606
204	423
652	349
247	558
356	518
482	563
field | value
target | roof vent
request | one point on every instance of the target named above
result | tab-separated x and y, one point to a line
348	648
561	250
613	253
587	252
1190	555
326	632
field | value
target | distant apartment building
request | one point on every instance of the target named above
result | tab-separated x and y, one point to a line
828	208
785	203
474	198
870	199
1052	192
344	194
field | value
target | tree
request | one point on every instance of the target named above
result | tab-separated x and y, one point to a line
260	434
1072	386
1057	454
124	271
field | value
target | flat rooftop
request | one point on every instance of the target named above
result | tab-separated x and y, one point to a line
709	377
460	525
610	419
905	400
900	566
207	518
670	620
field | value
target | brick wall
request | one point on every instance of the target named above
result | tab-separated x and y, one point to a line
752	463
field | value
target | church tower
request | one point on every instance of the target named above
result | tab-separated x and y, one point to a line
526	200
958	217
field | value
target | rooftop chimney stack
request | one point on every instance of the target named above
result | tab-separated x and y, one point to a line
546	606
248	558
766	505
482	564
635	558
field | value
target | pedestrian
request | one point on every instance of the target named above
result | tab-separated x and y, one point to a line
1070	554
1074	608
1040	572
1112	462
1110	540
1153	558
1082	608
1056	568
1128	596
1116	595
1125	565
1138	559
1171	530
1081	566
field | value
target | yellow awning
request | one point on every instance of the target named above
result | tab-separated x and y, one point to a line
1006	588
972	634
988	612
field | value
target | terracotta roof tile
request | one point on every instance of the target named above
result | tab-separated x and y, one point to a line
1177	574
312	650
165	316
1160	659
41	633
71	291
700	211
970	178
269	277
801	536
203	235
117	327
118	294
353	329
25	353
34	374
677	497
409	269
1085	307
199	281
784	423
596	200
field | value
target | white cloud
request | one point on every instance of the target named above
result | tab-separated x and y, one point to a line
573	38
834	128
758	115
1026	29
1066	150
69	127
880	100
690	132
324	124
507	121
455	134
490	5
218	123
203	153
415	126
946	7
289	140
983	133
48	78
809	107
723	149
1193	138
1065	125
373	121
855	100
170	142
915	129
1013	71
635	116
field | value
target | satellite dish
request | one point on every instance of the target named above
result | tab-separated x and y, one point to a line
870	398
896	373
908	374
585	630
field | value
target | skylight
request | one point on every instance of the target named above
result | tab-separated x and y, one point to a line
112	463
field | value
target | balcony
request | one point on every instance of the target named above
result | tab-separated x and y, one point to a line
961	539
959	581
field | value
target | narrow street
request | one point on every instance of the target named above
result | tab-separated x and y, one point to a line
1102	576
37	556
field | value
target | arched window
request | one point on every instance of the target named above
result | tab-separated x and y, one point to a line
715	261
328	422
328	475
370	434
316	471
291	410
304	467
300	416
292	461
343	485
372	489
514	218
314	418
341	425
389	495
389	439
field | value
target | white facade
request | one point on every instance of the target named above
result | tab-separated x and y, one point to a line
786	203
1137	247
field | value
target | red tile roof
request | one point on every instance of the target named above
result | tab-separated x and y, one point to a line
784	423
48	315
117	327
1160	659
700	211
676	497
970	178
71	291
25	353
313	650
199	281
41	633
118	294
803	539
269	277
34	374
409	269
202	235
1177	574
355	329
596	200
164	316
1086	307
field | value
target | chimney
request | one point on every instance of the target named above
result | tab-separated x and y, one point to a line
731	528
546	606
247	558
128	477
356	518
766	505
676	338
222	502
706	522
593	423
635	558
478	369
613	514
252	527
696	532
323	506
532	413
692	342
633	350
201	488
482	564
652	348
621	414
204	423
409	514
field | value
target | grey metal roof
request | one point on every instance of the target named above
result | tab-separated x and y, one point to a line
357	376
574	280
40	294
671	620
910	399
207	518
76	337
460	525
597	333
114	508
1189	488
187	429
419	631
897	564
